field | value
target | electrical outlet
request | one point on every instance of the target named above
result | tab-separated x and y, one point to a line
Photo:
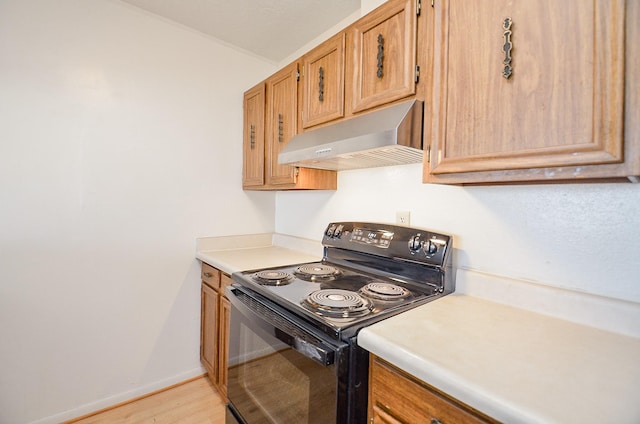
403	217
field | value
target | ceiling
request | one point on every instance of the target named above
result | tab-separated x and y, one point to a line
273	29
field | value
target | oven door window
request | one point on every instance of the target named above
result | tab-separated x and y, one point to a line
272	377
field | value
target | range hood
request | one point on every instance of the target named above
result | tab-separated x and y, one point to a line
390	136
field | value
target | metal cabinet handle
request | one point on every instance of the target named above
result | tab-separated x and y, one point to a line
321	84
435	421
506	48
379	72
252	137
280	128
208	275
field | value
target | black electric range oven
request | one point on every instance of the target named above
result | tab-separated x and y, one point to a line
293	356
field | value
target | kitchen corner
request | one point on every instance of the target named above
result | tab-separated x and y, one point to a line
516	351
244	252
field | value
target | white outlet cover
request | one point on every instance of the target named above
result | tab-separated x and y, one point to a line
403	217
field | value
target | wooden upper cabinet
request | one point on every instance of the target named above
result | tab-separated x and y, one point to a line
281	126
253	137
535	86
384	49
323	82
282	110
270	120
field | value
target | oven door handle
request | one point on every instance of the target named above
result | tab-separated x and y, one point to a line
280	326
315	351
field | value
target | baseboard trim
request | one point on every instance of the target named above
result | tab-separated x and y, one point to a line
110	402
135	399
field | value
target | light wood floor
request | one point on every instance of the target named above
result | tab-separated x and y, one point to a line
193	402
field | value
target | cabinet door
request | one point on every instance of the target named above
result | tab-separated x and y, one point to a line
521	85
384	55
282	108
225	311
209	331
323	82
253	137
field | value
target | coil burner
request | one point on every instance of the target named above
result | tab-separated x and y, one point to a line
385	291
316	272
337	303
273	278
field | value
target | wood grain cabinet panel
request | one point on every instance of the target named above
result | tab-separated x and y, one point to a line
323	82
384	49
214	329
209	331
270	120
223	360
253	137
525	86
398	398
282	109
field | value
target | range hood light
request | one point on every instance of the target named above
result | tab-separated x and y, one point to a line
389	136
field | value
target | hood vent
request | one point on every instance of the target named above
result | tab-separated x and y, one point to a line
390	136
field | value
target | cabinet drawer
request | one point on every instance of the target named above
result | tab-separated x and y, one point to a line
396	397
225	280
210	276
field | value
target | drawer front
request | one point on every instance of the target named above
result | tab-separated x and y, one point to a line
398	398
210	276
225	280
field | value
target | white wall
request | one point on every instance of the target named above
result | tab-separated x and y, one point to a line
583	237
120	144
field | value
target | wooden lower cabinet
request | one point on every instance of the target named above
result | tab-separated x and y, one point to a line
223	343
396	397
214	329
208	331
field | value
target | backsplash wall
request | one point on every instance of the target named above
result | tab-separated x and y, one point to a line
582	237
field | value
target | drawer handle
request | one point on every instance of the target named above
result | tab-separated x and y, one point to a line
208	275
435	421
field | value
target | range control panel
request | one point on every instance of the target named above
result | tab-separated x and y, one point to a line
390	241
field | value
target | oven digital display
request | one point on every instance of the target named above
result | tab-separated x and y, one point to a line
378	238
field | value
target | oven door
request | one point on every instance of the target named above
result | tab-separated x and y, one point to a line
279	371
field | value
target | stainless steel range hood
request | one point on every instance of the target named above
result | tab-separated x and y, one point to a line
390	136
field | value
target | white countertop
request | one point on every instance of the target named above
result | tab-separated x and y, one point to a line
514	365
230	261
243	253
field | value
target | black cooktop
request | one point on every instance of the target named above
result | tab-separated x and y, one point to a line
369	272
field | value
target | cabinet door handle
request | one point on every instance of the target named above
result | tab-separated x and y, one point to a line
252	137
435	421
507	46
280	128
379	72
321	84
208	275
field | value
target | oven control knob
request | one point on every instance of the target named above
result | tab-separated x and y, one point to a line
415	243
330	231
430	247
338	231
